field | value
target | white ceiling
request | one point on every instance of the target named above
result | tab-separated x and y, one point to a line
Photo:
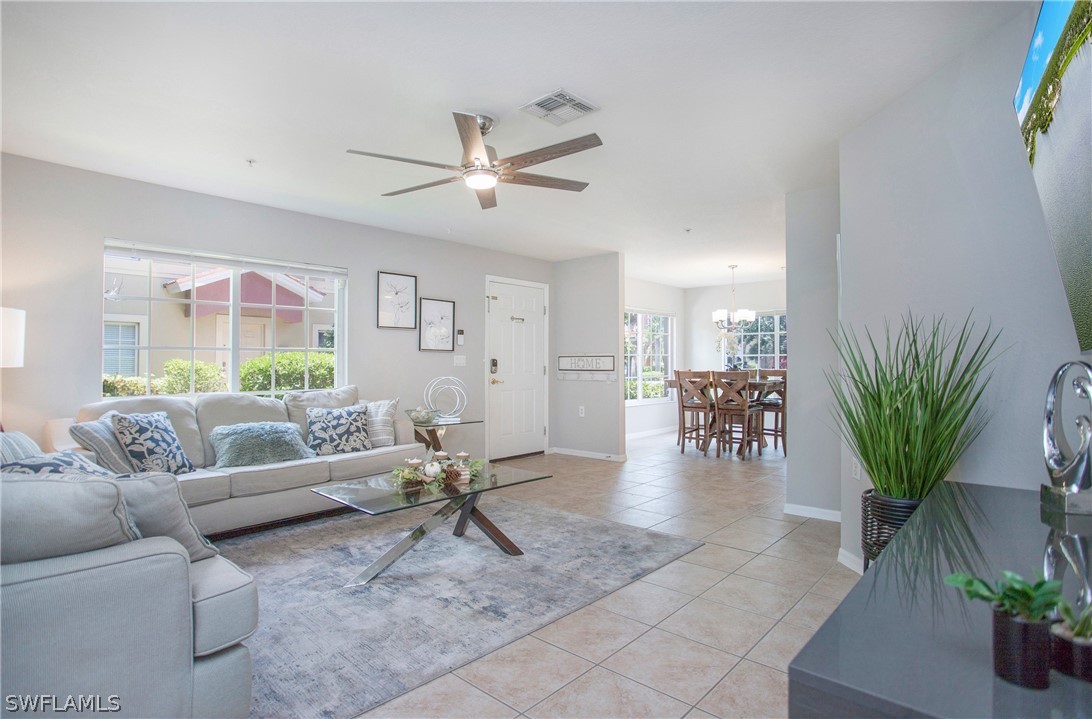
711	111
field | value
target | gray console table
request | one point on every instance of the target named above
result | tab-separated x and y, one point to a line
904	644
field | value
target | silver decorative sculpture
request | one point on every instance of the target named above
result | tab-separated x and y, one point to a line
455	392
1067	545
1070	490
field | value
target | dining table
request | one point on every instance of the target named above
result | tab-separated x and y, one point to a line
758	389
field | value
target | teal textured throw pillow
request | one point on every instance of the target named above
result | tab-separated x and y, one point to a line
242	445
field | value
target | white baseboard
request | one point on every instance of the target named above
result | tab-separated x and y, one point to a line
803	510
651	432
850	561
589	455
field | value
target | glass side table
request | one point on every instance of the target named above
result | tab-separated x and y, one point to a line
432	433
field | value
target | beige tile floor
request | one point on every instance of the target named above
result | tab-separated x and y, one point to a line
710	634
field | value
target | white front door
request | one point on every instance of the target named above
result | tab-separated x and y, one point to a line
517	389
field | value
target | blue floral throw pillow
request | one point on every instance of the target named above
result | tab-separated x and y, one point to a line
338	430
151	443
65	462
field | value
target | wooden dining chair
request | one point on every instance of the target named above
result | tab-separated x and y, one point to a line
732	404
697	416
774	403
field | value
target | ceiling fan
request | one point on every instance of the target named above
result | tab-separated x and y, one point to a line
481	170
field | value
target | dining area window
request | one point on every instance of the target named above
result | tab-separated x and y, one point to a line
760	344
649	357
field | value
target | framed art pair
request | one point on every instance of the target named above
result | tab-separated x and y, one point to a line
398	305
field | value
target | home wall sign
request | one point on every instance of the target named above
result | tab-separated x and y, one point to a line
585	363
595	368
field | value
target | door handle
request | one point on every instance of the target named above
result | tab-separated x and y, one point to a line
494	380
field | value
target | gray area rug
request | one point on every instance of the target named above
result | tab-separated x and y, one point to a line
325	651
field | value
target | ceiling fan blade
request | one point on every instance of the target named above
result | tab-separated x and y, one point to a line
471	137
422	187
487	198
554	183
544	154
405	159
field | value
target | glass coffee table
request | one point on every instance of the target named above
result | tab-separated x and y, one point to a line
381	494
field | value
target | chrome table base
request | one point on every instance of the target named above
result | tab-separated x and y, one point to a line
469	512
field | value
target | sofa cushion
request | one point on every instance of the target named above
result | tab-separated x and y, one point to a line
98	436
16	445
151	443
154	502
55	463
225	605
299	401
265	478
338	430
381	421
344	467
250	443
179	409
223	408
42	517
202	486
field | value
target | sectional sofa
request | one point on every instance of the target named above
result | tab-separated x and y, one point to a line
222	499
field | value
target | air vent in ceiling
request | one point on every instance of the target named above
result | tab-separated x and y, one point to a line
559	107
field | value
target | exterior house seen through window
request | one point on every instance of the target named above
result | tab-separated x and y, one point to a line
649	355
182	323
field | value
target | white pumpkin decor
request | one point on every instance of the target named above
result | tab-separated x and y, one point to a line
432	469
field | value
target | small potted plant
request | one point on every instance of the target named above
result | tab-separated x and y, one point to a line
1072	639
1021	624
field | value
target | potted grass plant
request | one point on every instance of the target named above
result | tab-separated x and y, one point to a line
1072	642
1021	624
908	407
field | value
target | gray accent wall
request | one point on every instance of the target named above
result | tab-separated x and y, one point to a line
811	229
939	213
586	318
55	220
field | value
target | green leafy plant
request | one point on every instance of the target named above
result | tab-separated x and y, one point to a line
256	375
207	377
1080	625
1013	594
909	410
119	386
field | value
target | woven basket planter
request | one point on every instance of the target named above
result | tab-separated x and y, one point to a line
881	517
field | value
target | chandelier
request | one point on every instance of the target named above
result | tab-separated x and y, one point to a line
729	321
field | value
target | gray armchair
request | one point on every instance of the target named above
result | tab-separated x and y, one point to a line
90	611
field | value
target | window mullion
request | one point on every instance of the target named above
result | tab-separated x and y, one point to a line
234	329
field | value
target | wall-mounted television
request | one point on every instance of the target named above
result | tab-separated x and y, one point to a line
1053	104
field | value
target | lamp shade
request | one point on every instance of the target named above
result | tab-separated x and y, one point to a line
744	316
720	315
12	329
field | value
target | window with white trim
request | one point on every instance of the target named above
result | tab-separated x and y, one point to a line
649	355
760	344
198	323
119	341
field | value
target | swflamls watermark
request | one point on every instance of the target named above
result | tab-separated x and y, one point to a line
78	703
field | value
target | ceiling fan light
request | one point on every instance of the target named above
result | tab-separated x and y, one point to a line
480	179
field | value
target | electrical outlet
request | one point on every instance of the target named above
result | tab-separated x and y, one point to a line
580	410
460	360
857	470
